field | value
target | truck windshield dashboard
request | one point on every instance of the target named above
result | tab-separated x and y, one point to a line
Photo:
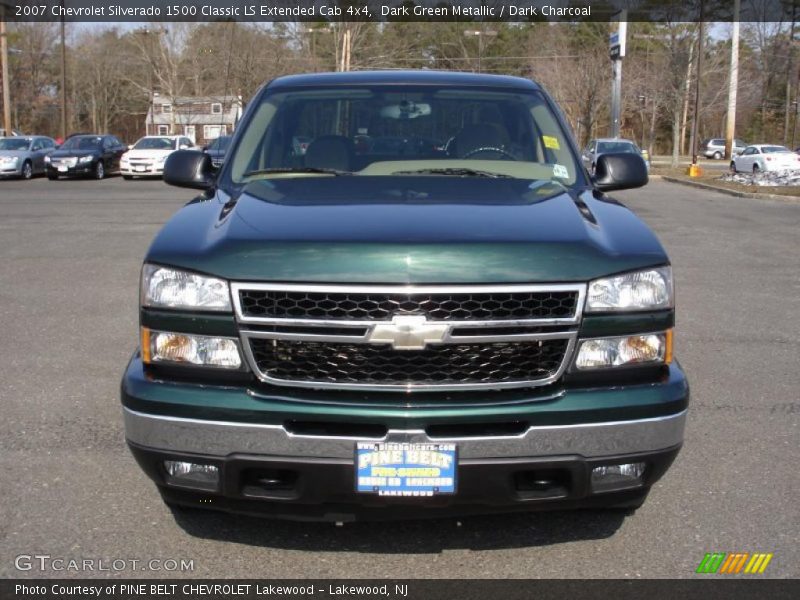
402	130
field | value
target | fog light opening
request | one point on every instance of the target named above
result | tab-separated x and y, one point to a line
189	474
609	478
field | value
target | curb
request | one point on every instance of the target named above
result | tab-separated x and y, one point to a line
729	192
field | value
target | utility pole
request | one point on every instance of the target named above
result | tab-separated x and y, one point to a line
789	70
694	170
617	53
63	78
347	43
733	84
4	58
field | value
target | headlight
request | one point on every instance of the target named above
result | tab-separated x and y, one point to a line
639	290
188	349
9	160
47	159
629	350
85	159
163	287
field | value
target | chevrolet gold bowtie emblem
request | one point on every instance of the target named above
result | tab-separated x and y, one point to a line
408	332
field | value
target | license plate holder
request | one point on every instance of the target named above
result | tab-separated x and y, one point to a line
63	168
406	469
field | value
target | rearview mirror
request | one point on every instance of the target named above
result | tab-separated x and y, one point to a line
189	168
619	171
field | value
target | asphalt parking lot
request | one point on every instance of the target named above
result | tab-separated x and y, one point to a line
71	254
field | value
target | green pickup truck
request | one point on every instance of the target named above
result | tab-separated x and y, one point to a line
427	308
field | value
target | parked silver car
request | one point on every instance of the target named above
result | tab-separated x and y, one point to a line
23	156
715	148
610	146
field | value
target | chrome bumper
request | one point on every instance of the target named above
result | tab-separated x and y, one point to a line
219	438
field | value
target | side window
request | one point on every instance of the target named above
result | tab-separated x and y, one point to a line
37	145
107	143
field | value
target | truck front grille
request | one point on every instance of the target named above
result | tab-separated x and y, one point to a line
407	338
452	364
435	306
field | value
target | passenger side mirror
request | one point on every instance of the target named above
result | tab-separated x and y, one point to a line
619	171
190	169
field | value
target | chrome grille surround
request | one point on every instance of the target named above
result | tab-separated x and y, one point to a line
343	331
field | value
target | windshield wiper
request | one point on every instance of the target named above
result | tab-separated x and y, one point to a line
457	171
278	170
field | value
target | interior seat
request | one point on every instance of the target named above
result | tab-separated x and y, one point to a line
330	152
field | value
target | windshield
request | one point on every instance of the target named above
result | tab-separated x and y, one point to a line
155	143
614	147
14	143
403	130
82	143
221	144
773	149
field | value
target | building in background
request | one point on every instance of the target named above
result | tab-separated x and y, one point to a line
200	118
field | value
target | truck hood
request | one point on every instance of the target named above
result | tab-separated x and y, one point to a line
407	230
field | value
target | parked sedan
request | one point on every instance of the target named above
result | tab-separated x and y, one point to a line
715	148
86	155
765	157
217	150
24	156
148	155
597	147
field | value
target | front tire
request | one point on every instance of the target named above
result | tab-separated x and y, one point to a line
733	167
717	155
756	169
99	170
27	170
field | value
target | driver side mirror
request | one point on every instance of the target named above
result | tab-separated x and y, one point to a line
619	171
190	169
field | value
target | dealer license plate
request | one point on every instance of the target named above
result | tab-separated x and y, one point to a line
405	469
62	169
140	169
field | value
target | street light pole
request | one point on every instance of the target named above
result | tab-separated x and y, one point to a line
694	170
4	58
617	52
480	33
63	77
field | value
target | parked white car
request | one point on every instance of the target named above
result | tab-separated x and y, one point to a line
765	157
146	157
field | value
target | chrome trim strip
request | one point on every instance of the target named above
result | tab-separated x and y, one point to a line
221	438
411	387
238	286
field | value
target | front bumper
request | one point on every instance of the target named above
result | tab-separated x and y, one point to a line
150	170
9	171
562	433
79	169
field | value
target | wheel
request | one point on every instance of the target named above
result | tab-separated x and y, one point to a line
52	176
717	155
756	169
733	167
127	177
27	170
99	170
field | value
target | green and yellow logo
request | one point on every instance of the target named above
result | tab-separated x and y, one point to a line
733	563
